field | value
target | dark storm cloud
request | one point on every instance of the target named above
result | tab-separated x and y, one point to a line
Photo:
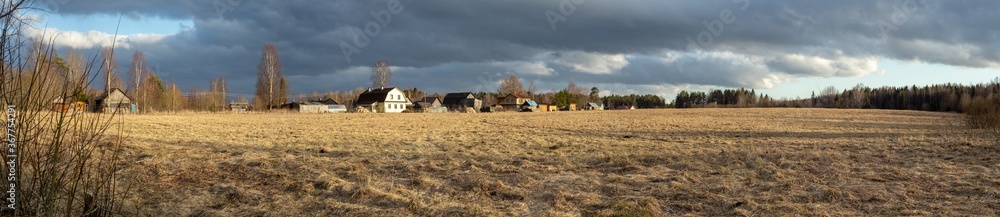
450	45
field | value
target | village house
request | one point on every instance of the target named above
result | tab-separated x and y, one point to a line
545	107
305	107
332	105
428	104
113	101
594	106
513	101
239	106
67	105
383	100
460	101
529	106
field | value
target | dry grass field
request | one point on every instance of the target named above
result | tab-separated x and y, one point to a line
714	162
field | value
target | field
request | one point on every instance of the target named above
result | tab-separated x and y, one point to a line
717	162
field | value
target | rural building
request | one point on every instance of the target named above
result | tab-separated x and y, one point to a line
547	107
594	106
67	105
529	106
625	107
428	104
306	107
326	101
332	106
383	100
113	101
513	101
336	108
239	106
460	101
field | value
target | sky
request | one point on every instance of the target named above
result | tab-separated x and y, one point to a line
786	49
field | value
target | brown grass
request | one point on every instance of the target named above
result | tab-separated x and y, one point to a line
984	113
717	162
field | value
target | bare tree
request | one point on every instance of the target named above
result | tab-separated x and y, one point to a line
138	74
75	68
532	90
381	73
268	78
511	85
217	93
579	94
174	99
112	75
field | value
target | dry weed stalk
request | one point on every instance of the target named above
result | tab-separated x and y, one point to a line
69	162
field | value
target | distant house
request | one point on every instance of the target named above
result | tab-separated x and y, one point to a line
67	105
113	101
427	104
239	106
332	105
306	107
383	100
547	107
460	101
513	101
594	106
625	107
326	101
570	107
529	106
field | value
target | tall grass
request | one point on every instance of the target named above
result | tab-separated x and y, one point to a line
984	113
68	162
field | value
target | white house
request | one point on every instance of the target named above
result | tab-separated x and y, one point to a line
383	100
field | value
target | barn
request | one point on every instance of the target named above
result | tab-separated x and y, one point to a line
306	107
428	104
460	101
529	106
594	106
67	105
113	101
332	105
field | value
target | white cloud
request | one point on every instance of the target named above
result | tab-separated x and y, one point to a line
92	39
532	68
593	63
939	52
825	67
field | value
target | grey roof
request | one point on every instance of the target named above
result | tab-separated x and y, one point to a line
456	98
531	103
105	95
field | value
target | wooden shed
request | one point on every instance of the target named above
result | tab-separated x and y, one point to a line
114	101
306	107
460	101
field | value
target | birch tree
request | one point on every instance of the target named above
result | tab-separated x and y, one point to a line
268	78
381	73
138	74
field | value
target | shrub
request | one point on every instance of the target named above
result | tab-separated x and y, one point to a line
984	113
